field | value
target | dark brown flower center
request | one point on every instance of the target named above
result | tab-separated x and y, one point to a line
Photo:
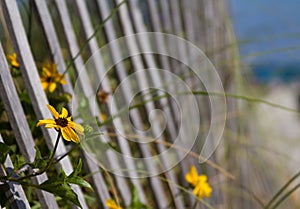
63	122
49	79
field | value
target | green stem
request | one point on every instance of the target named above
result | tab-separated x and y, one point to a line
285	196
40	171
281	190
203	93
53	153
195	204
67	153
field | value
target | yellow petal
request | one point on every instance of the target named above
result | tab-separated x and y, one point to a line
69	134
46	72
64	113
15	63
52	87
192	176
202	178
53	111
111	204
9	57
78	128
46	121
44	85
51	126
62	81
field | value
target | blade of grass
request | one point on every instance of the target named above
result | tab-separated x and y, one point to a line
100	26
204	93
285	196
191	153
281	190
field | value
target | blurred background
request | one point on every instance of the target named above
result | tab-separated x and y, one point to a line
268	39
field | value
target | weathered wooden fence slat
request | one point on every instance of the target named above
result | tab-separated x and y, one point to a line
14	191
128	95
100	71
20	126
48	27
157	81
52	40
33	84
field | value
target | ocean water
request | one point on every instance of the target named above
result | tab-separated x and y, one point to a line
268	34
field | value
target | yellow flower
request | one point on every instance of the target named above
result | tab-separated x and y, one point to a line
50	77
192	176
202	189
103	116
13	60
111	204
199	182
63	124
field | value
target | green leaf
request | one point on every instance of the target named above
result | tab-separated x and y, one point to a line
4	150
61	189
39	162
77	169
18	160
73	178
79	181
135	200
58	185
24	97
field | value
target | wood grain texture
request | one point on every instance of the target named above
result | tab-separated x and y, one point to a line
97	180
33	84
20	126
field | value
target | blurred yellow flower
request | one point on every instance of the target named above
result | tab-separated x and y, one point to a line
192	176
199	182
50	77
103	116
111	204
13	60
63	124
202	189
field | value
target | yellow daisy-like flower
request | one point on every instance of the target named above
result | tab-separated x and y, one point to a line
202	189
199	182
13	60
63	124
50	77
192	176
111	204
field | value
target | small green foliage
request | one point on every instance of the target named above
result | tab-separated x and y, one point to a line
73	178
58	185
135	200
39	162
4	150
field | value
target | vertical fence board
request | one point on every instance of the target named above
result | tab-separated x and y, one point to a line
52	40
116	57
157	80
98	64
33	84
14	191
20	126
97	179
